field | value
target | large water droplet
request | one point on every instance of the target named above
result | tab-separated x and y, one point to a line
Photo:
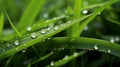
85	11
33	35
29	28
52	63
95	47
16	42
56	28
43	31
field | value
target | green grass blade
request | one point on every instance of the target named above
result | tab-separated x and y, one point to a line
1	22
99	10
113	21
40	59
77	12
66	60
86	43
30	13
11	23
34	38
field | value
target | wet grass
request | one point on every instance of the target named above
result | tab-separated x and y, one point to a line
59	33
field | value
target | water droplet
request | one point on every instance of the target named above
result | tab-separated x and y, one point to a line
3	50
95	47
117	38
75	54
112	40
52	63
62	25
109	51
16	42
69	22
8	45
33	35
29	28
66	57
7	62
56	28
25	44
48	38
85	3
16	48
46	15
43	31
86	28
55	18
24	51
99	13
85	11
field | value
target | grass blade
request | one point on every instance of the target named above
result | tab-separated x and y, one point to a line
66	60
1	22
11	23
33	38
30	13
86	43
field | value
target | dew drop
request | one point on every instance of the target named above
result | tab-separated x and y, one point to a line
109	51
3	50
16	48
33	35
95	47
66	57
56	28
86	28
69	22
29	28
117	38
85	11
24	51
112	40
45	15
52	63
43	31
16	42
75	54
8	45
62	25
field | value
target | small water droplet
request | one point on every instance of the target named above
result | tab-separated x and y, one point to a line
52	63
43	31
55	18
8	45
117	38
62	25
24	50
29	28
95	47
109	51
16	48
46	15
16	42
66	57
69	22
85	11
33	35
7	62
56	28
86	28
3	50
25	44
75	54
112	40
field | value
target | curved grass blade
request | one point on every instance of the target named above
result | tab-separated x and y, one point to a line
11	23
86	43
40	59
66	59
113	21
1	22
30	13
99	10
31	39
